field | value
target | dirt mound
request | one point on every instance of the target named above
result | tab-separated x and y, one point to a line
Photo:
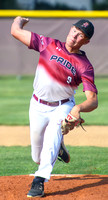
71	187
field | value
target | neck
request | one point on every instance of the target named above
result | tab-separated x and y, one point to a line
72	49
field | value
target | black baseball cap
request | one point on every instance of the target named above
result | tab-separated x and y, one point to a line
86	27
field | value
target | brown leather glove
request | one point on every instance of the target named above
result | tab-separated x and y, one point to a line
69	123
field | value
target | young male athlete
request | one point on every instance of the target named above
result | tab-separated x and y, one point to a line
62	67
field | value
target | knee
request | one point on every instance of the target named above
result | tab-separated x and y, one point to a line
38	163
35	153
35	159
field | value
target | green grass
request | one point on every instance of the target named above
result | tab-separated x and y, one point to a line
15	94
84	160
15	160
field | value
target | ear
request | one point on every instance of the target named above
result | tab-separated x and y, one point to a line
87	41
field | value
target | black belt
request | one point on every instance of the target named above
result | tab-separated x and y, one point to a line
55	103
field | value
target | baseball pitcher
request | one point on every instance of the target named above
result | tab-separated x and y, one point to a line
62	67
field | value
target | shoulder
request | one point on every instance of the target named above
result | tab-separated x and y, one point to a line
85	61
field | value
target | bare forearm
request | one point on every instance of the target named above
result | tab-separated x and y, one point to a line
87	106
18	32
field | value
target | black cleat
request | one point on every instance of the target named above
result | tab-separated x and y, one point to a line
37	188
63	154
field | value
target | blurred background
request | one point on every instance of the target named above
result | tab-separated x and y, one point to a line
16	59
51	18
54	4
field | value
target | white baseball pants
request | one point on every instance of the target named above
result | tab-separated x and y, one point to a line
45	134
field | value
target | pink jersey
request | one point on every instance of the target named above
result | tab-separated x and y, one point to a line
59	72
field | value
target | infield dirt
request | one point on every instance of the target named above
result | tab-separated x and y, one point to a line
19	135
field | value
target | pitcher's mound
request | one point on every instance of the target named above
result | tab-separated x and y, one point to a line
61	187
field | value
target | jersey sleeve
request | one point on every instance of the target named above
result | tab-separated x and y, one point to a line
39	42
88	80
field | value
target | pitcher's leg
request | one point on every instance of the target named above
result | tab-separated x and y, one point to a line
50	150
36	137
52	141
38	123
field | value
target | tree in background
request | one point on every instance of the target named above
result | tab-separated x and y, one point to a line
9	4
13	4
46	6
100	4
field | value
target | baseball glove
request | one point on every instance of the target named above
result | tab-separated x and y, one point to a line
69	123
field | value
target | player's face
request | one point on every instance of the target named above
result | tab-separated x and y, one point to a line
76	38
